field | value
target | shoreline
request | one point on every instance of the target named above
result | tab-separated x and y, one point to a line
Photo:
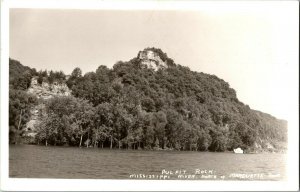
265	151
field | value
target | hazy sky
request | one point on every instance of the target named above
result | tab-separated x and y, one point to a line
255	50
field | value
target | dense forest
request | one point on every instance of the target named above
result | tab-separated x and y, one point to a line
131	106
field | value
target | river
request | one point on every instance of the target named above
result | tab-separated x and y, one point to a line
31	161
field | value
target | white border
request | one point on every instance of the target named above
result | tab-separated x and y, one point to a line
9	184
4	93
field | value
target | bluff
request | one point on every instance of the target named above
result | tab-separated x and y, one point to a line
151	102
43	92
46	90
28	97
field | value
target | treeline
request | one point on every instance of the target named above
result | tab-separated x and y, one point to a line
50	77
130	106
20	76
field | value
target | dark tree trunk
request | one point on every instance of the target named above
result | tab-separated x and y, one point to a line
88	140
111	142
19	124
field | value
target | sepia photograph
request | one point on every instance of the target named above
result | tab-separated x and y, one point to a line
163	94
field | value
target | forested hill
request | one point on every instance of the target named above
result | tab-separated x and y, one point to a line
19	75
150	102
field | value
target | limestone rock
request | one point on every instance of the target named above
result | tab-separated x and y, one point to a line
44	92
151	59
47	91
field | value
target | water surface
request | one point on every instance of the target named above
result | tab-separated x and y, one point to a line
31	161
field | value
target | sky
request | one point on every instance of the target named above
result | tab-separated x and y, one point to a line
253	48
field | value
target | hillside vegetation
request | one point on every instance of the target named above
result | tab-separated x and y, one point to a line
136	107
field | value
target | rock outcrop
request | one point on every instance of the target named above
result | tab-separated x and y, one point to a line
151	59
43	92
46	90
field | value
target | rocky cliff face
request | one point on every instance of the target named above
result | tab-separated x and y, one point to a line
46	90
151	59
43	92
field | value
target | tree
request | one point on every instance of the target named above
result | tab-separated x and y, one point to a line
103	122
82	116
219	141
159	121
68	120
56	76
204	140
76	72
20	104
122	121
74	78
